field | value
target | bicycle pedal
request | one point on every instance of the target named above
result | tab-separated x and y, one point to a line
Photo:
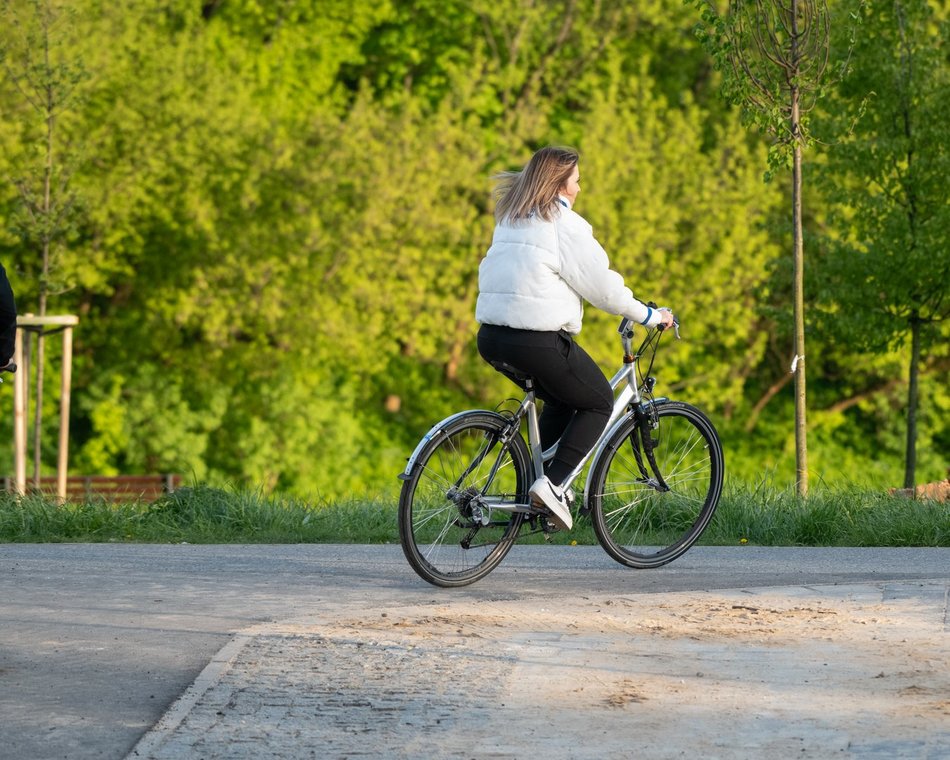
548	527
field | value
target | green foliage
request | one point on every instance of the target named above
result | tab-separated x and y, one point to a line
885	269
888	260
777	62
278	211
685	222
39	59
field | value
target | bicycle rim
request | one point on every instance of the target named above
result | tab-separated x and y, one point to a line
638	523
440	529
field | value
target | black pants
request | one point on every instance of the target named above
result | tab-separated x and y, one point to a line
7	320
577	397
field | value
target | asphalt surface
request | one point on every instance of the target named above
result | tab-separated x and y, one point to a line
99	642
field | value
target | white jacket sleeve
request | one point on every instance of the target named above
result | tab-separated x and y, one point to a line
586	268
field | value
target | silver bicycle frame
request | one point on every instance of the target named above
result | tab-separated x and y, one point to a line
629	394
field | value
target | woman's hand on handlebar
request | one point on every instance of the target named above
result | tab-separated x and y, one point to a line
666	318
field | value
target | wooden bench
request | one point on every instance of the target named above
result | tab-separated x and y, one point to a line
114	488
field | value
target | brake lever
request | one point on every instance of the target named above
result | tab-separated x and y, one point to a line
676	324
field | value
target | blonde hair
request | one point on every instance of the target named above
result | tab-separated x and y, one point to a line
535	188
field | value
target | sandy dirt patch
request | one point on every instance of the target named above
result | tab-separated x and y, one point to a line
837	671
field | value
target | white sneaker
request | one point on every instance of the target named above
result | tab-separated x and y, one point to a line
552	497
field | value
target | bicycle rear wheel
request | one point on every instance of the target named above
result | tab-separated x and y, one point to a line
637	522
455	510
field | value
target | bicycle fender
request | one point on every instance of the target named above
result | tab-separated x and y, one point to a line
609	435
436	431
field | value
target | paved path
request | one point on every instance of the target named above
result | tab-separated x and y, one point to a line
340	651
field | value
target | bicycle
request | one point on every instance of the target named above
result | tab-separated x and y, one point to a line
654	482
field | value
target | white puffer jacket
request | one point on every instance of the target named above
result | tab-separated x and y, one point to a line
536	274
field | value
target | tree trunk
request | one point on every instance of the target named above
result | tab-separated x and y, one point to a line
910	460
905	90
801	439
38	411
46	216
798	294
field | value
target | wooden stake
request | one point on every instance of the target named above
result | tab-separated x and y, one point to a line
19	415
67	374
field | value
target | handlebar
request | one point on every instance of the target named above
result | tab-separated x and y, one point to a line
627	324
644	382
652	338
676	327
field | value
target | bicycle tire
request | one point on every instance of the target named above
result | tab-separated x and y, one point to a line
435	520
636	522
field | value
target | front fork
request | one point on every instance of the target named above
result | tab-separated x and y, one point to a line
647	421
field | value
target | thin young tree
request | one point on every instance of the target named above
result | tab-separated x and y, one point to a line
774	56
30	50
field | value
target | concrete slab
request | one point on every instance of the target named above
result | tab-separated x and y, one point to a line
98	641
839	671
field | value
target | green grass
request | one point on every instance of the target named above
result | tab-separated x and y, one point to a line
762	516
828	517
199	515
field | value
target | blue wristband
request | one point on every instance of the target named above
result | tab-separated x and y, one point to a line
649	314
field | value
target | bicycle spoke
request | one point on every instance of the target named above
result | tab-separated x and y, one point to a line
627	515
684	452
462	480
437	544
427	518
639	522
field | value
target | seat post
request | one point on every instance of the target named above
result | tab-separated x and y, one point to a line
529	405
534	430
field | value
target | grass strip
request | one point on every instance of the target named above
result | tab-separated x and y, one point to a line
762	516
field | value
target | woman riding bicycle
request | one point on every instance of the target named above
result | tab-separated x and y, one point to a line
543	263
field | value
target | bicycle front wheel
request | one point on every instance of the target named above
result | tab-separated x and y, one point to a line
457	509
639	523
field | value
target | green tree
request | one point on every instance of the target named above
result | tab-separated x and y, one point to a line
204	226
888	270
675	197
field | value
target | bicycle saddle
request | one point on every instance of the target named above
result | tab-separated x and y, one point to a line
517	376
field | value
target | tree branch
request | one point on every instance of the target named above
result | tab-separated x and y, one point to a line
769	394
894	382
